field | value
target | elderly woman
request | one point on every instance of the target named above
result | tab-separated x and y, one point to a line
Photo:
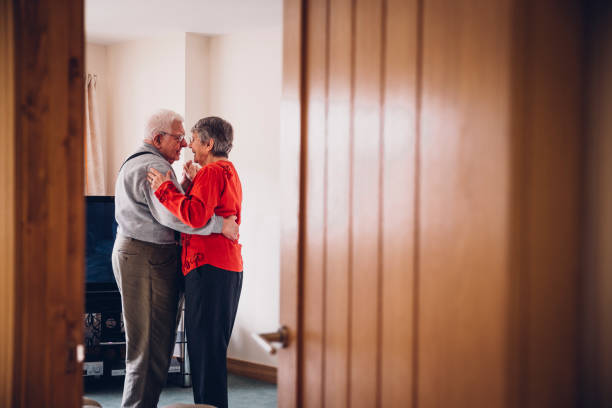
212	264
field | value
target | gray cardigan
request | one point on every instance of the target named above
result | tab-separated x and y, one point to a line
139	213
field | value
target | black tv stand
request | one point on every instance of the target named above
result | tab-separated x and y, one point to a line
106	303
103	301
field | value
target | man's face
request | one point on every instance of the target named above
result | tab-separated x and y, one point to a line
170	144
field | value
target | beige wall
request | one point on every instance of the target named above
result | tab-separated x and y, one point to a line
134	79
245	85
237	77
196	81
144	75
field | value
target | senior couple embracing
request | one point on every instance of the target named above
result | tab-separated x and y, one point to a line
153	265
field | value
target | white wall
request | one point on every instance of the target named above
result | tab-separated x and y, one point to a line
144	76
196	82
245	89
237	77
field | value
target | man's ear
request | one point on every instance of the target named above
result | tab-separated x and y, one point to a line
157	141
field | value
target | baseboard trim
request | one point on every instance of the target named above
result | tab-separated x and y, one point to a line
252	370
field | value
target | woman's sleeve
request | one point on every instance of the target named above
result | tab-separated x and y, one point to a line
198	207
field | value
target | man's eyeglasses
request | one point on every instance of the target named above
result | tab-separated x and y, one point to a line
178	138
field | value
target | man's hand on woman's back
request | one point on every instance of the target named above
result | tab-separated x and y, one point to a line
230	228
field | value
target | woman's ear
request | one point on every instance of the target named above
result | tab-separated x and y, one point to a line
210	145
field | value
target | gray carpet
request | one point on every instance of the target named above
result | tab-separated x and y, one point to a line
243	392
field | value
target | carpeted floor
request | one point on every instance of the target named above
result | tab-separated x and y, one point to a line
243	392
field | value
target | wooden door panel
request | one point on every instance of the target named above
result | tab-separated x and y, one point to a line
366	206
399	165
338	192
289	390
427	178
45	185
596	361
313	334
7	201
552	148
463	214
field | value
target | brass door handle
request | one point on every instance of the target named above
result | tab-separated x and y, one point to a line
265	340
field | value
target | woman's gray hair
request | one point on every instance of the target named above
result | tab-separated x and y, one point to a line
161	121
217	129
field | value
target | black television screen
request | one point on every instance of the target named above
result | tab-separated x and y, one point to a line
101	229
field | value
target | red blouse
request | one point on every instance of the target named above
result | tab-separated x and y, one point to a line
216	189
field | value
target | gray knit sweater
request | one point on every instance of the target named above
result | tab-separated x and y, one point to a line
139	213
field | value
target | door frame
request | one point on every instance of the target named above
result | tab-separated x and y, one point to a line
57	67
42	208
292	191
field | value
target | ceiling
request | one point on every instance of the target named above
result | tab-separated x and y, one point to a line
110	21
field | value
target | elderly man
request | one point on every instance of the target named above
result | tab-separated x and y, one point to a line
145	260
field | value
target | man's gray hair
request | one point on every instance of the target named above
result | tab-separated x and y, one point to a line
161	121
217	129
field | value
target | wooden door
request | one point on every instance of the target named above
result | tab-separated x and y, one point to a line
42	206
431	179
7	203
596	361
